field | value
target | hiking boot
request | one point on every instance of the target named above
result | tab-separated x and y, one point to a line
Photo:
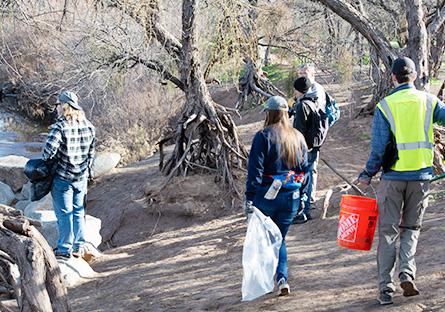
303	218
283	287
78	253
61	256
408	286
385	297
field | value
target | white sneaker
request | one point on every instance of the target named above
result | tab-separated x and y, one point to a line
283	287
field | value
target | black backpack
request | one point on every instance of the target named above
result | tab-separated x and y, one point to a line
316	122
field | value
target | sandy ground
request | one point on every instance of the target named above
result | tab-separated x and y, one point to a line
192	261
182	250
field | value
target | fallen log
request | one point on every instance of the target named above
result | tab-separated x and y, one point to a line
40	288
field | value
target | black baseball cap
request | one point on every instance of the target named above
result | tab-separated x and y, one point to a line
302	84
403	66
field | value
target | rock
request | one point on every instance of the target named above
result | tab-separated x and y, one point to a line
25	193
49	228
92	230
19	196
46	203
11	171
7	196
22	204
104	162
26	190
74	269
49	224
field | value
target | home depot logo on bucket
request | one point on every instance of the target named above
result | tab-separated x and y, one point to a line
347	227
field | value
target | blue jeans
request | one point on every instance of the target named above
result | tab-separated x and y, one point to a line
307	186
282	211
68	202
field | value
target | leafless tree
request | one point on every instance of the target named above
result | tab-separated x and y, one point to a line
206	135
420	33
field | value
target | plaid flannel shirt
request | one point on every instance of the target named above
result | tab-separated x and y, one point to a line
72	146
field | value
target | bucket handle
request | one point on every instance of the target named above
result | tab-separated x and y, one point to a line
373	190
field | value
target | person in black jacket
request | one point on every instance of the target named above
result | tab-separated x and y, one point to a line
311	120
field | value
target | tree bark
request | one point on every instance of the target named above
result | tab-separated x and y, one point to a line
438	19
253	83
417	45
437	50
41	287
206	134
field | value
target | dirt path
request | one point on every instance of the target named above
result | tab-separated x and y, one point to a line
198	266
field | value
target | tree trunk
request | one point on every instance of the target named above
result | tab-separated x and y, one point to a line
41	287
252	82
267	54
417	45
206	134
381	47
382	82
437	50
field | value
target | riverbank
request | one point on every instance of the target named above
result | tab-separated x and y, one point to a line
19	136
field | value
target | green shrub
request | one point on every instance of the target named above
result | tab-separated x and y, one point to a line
275	73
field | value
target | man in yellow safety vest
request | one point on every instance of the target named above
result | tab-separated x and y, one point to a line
402	144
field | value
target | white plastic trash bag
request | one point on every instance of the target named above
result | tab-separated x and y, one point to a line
260	256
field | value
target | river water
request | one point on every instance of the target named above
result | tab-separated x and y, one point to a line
20	137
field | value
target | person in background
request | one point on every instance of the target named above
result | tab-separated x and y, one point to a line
311	120
277	149
315	91
403	147
70	143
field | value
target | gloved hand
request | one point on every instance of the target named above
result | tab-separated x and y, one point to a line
364	178
248	207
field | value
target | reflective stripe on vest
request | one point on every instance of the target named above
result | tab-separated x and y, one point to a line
426	126
409	113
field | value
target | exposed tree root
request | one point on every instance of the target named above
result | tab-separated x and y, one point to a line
252	83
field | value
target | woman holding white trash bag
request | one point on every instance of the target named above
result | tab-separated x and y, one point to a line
276	169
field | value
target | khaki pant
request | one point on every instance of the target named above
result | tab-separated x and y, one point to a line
401	208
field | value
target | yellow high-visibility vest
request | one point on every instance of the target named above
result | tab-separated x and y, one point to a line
410	115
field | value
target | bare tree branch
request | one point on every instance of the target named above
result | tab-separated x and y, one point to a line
434	23
364	26
157	66
170	43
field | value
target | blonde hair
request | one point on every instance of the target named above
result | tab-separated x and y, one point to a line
71	114
290	140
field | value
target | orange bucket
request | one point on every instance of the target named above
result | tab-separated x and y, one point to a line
357	222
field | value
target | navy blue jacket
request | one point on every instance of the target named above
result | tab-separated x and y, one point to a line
264	160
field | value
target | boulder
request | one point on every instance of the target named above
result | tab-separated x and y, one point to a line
49	228
22	204
46	203
104	162
7	196
11	171
51	233
74	269
92	230
19	196
26	191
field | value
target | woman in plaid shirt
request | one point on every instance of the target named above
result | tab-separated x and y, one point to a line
70	144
